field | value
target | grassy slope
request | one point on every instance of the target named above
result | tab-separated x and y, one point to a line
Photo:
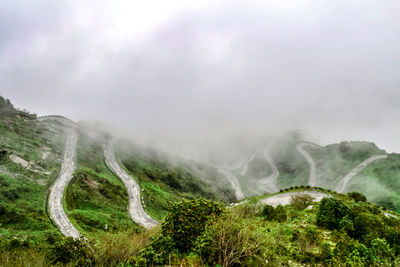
299	240
380	181
23	192
96	197
293	168
245	235
162	181
257	169
335	161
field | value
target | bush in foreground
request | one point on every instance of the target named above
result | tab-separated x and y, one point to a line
78	252
301	201
185	222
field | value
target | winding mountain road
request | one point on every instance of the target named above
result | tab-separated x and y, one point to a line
271	181
55	200
245	167
234	183
341	186
242	165
313	169
135	209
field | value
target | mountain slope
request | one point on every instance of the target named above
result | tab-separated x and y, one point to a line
95	200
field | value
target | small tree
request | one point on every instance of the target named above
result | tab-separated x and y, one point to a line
229	242
330	212
274	214
268	212
77	252
302	201
185	222
358	197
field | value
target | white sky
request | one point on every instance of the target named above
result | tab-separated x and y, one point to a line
205	68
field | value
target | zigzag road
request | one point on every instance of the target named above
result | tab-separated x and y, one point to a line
272	180
234	183
313	169
55	200
243	166
341	186
135	209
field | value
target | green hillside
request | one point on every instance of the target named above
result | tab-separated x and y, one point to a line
191	200
381	182
95	200
23	190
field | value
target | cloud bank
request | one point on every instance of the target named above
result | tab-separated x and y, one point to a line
211	69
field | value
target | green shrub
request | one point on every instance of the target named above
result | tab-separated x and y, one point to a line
246	210
185	222
268	212
330	212
280	214
11	194
277	214
301	201
326	252
3	210
230	242
357	254
367	223
78	252
358	197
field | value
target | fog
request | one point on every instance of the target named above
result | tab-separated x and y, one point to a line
203	73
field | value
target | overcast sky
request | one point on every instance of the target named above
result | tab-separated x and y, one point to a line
331	68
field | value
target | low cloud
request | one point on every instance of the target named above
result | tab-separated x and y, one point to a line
206	72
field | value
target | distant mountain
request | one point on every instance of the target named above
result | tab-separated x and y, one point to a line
54	177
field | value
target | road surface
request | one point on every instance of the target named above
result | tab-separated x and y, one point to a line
245	167
285	198
234	183
313	169
271	181
55	200
345	180
241	165
135	209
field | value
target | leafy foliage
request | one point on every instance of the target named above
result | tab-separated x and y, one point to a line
301	201
229	243
186	221
78	252
330	212
274	214
356	196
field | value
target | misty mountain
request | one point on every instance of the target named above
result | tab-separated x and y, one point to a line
95	198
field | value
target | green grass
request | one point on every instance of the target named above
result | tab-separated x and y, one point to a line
245	236
380	182
335	161
96	197
22	191
293	168
157	199
150	166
